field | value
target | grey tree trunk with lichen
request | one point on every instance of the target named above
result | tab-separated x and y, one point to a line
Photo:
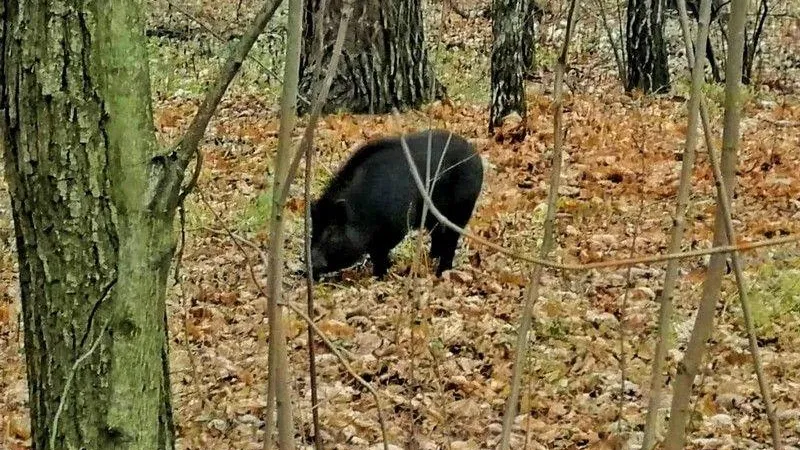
529	35
384	63
508	61
645	46
93	204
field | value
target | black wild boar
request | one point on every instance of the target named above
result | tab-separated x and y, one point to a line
372	201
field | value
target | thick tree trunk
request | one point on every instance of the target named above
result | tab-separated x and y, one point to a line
93	206
529	36
646	48
508	67
384	63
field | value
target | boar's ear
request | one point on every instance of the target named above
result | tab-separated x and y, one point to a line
341	211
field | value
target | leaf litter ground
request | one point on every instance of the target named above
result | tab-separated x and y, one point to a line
439	350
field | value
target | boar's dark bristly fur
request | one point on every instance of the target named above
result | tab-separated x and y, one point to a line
372	202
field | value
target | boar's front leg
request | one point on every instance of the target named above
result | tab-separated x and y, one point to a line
380	262
443	246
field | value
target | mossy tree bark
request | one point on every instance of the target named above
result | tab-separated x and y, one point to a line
93	204
384	63
508	61
645	47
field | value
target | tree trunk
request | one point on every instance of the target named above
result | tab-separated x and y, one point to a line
508	67
712	62
93	207
384	63
529	36
751	45
646	48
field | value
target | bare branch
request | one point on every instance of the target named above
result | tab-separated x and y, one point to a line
218	37
600	264
615	44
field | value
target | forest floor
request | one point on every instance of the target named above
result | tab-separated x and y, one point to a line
440	351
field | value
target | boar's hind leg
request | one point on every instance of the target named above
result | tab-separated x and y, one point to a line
443	247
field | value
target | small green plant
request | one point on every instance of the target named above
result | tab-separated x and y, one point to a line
546	56
256	213
556	329
465	72
775	294
197	215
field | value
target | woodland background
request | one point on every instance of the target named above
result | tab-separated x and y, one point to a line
445	361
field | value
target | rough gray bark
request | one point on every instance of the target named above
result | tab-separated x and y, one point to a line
529	35
508	65
384	63
645	47
93	205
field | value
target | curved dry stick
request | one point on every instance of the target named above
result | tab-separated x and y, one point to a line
68	383
595	265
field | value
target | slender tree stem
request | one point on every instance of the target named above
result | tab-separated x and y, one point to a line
548	239
684	189
279	364
616	46
725	179
309	152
